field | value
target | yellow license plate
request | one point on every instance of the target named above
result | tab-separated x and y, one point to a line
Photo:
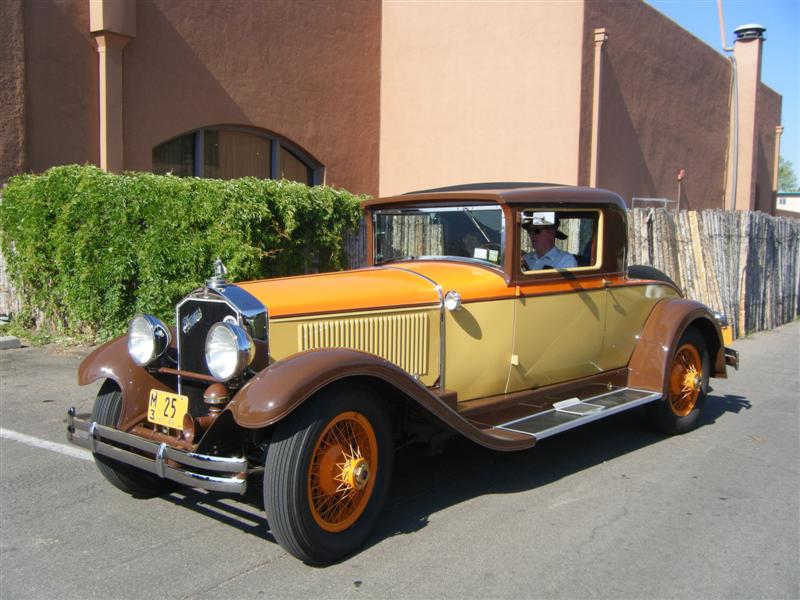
166	408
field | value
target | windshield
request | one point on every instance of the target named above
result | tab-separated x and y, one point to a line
472	233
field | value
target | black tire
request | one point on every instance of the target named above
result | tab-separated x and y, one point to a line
674	414
106	410
296	521
648	272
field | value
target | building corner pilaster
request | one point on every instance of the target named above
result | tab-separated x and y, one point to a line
113	25
600	39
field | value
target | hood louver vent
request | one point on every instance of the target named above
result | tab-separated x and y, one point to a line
401	339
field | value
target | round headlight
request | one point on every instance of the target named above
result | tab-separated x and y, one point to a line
148	339
229	349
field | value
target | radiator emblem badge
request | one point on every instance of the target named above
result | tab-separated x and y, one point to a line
191	320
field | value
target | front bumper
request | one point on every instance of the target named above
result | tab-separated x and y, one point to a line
187	468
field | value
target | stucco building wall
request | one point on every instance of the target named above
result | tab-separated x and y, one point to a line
311	76
12	90
479	92
394	96
62	120
664	107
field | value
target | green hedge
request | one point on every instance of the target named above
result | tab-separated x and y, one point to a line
88	249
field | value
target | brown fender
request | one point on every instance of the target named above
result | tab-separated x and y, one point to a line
649	364
112	361
283	386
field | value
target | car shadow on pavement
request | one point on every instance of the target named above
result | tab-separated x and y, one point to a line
716	406
424	484
245	513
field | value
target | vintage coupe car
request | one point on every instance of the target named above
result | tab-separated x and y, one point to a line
307	385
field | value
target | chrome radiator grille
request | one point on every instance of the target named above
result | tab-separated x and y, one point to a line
195	318
401	338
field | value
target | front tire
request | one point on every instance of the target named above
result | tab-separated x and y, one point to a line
687	385
327	474
106	410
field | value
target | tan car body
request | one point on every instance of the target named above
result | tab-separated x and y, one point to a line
518	343
319	379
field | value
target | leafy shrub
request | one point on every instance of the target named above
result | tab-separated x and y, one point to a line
87	249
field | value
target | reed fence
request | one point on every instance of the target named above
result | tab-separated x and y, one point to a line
743	264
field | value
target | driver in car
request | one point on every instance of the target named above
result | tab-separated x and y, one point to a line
545	255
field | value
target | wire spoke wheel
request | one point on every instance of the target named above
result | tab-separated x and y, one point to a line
342	472
327	473
685	385
685	380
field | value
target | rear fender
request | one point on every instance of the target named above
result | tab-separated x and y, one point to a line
283	386
649	364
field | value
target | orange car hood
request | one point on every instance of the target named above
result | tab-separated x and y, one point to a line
392	286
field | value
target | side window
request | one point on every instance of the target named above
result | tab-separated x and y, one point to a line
559	239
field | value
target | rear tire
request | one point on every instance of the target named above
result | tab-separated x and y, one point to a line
106	411
687	385
327	474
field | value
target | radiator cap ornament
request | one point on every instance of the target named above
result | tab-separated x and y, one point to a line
218	282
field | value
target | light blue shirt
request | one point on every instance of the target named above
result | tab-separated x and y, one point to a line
554	258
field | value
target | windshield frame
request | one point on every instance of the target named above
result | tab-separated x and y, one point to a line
468	208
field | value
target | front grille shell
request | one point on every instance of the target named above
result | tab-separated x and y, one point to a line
229	303
192	339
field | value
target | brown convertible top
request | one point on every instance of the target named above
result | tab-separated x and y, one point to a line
506	193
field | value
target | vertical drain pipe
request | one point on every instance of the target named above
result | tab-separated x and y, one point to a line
734	163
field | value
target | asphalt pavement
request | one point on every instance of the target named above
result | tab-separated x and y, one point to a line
610	510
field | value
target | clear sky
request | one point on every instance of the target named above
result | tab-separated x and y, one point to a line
780	67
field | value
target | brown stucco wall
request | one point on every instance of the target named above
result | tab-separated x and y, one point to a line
12	90
479	91
665	107
61	91
306	71
768	116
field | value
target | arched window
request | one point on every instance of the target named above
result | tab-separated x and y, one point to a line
231	152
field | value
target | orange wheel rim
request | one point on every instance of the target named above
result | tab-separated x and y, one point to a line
341	474
685	380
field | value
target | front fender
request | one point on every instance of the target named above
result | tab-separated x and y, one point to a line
112	361
649	364
283	386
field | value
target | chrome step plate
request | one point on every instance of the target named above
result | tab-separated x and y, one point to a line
575	412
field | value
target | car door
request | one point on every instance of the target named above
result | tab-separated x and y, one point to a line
559	314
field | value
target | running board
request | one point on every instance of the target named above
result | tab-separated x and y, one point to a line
574	412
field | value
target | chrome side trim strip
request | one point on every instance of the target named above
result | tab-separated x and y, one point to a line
100	439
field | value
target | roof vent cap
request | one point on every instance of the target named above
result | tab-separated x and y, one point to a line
751	31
